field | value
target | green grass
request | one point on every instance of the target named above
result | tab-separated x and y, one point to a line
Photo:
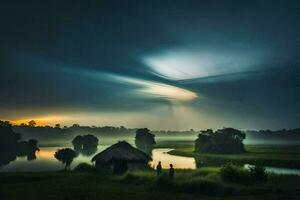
203	184
268	155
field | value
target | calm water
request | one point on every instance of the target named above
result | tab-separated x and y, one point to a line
46	162
179	162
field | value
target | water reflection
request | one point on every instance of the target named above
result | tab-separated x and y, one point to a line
11	147
179	162
45	161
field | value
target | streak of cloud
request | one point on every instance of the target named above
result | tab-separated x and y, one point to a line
183	64
146	88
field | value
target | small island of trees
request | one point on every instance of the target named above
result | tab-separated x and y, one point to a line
144	140
85	144
226	140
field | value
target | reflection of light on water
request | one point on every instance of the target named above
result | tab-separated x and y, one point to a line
46	161
45	153
179	162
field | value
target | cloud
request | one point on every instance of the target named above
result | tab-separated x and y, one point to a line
161	90
185	63
146	88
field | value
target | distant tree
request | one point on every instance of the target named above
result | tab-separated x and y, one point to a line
144	140
86	144
31	123
66	156
77	143
89	141
75	125
32	149
7	136
11	146
22	148
57	125
28	148
5	123
226	140
203	142
8	143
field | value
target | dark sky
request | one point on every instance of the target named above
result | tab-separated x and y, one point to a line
161	64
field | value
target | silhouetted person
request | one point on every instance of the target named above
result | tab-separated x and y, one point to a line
158	169
171	171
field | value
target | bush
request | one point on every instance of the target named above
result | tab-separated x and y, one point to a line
258	173
84	167
235	174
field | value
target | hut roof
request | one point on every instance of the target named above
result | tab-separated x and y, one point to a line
121	151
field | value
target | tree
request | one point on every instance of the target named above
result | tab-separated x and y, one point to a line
66	156
226	140
86	144
28	148
77	143
89	141
8	137
8	143
75	126
31	123
5	123
11	146
32	149
57	125
144	140
203	142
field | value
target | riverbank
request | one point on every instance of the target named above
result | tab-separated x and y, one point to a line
287	156
188	184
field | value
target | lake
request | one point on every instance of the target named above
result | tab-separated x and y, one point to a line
46	162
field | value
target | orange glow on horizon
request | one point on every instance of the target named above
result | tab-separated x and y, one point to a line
41	121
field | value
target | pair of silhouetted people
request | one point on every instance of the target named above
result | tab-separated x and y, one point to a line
159	170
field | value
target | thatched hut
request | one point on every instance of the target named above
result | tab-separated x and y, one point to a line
120	157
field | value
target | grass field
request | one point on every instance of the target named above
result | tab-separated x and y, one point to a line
204	183
188	184
287	156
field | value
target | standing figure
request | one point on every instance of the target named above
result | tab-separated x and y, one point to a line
158	169
171	171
